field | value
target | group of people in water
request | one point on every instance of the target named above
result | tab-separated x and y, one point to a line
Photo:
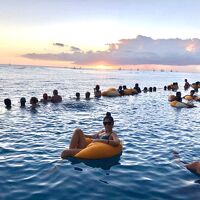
121	91
107	135
56	98
178	97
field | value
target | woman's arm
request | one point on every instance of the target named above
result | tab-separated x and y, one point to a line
115	140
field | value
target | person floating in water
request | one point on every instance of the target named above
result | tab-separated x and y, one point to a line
23	102
137	88
145	90
193	166
79	142
87	95
34	102
187	85
178	97
7	103
77	96
45	98
97	91
56	98
120	90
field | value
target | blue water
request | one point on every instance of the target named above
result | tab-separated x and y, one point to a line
31	141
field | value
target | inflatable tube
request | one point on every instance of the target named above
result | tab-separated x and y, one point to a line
178	104
99	150
172	98
195	86
111	92
188	97
130	91
173	87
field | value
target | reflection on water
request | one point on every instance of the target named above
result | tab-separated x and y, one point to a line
31	140
104	164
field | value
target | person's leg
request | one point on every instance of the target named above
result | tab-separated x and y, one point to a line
69	152
78	140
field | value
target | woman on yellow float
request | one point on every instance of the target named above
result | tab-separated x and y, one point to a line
80	142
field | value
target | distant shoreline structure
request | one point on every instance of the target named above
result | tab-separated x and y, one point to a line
137	68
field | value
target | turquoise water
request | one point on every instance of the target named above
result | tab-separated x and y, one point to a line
31	140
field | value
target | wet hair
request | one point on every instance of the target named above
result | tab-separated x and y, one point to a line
109	117
165	87
120	87
97	88
145	89
78	95
22	101
45	96
87	95
154	89
136	85
55	92
169	87
150	89
192	91
33	100
178	94
124	87
7	102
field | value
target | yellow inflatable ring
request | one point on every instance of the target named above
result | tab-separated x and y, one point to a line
130	91
188	97
99	150
195	86
111	92
178	104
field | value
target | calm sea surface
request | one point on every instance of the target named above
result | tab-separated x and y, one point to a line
31	140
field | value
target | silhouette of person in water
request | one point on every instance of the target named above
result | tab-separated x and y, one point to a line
97	91
178	97
87	95
22	102
187	85
34	102
77	96
7	103
124	87
120	90
45	98
79	142
145	89
56	98
137	88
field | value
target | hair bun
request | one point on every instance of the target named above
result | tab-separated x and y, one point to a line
108	114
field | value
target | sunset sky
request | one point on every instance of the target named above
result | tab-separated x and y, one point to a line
101	33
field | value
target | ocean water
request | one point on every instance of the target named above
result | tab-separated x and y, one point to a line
31	140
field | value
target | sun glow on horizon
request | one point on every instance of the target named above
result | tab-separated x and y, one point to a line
190	48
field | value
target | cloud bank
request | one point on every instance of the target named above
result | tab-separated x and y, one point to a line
136	51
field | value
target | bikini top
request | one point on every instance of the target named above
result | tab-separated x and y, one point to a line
103	137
